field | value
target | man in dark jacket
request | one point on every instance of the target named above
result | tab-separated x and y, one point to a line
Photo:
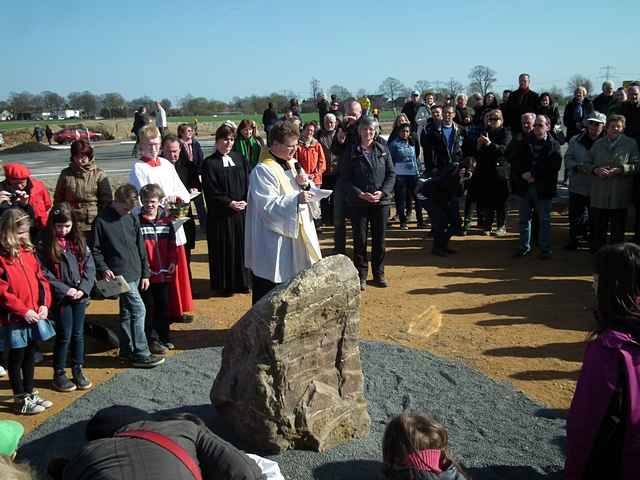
368	178
535	178
630	110
521	101
118	249
124	444
441	185
344	138
603	101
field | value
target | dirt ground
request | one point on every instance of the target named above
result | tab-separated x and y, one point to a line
523	321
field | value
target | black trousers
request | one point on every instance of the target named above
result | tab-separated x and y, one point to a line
579	217
375	216
326	204
602	218
259	288
156	303
21	369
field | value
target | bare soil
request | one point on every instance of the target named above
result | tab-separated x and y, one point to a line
522	321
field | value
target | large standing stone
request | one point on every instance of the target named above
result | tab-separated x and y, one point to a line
291	375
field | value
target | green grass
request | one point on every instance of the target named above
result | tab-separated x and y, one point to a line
236	117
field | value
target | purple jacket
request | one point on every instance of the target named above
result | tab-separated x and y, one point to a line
598	381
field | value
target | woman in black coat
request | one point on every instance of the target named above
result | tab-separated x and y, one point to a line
225	178
492	173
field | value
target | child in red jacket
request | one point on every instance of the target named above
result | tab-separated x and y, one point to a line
160	242
25	299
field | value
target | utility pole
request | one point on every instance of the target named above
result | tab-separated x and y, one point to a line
607	72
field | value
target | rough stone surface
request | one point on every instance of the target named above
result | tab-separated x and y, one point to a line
291	375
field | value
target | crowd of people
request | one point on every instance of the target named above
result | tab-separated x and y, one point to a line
262	203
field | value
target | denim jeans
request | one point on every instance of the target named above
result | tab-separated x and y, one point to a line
133	342
528	203
445	220
69	331
403	190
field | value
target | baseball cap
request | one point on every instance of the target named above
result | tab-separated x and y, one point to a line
596	117
415	93
10	434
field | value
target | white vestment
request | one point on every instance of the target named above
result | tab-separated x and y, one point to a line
164	175
280	237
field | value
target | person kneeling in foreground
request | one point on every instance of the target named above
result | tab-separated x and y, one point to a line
125	443
414	447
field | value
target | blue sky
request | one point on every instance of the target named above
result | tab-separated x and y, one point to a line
221	48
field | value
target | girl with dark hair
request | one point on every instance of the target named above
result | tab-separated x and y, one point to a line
548	107
70	269
603	425
415	447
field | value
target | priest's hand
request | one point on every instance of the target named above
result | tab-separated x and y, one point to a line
172	269
237	206
304	196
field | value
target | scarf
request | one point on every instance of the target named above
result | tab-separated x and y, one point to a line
427	460
152	162
188	146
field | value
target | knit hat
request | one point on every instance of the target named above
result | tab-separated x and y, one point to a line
10	434
16	170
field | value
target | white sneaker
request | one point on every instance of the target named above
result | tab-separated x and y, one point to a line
501	232
38	400
3	372
24	405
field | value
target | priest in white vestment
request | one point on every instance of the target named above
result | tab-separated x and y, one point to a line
280	236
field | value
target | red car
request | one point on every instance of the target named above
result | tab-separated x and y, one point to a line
68	135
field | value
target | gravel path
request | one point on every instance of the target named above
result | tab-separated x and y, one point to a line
496	432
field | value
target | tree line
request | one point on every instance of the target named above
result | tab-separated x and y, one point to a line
391	93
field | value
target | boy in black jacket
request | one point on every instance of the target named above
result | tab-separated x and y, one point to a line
118	249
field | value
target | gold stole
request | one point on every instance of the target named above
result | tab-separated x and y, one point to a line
285	186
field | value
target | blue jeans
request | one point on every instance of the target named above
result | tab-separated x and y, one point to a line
403	190
133	341
529	202
69	331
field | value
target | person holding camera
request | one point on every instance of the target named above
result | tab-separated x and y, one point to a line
442	182
20	190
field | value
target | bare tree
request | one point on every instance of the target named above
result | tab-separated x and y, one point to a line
113	105
315	88
454	87
392	88
22	104
423	86
482	79
579	80
52	101
85	101
339	91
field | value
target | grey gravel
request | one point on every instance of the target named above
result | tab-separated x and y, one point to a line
496	432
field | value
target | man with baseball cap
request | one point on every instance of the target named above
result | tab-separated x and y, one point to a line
20	189
580	177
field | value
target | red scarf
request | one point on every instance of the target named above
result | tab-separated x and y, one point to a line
427	460
152	162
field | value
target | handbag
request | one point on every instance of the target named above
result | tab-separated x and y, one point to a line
44	330
167	444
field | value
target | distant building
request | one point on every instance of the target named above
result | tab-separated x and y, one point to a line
5	115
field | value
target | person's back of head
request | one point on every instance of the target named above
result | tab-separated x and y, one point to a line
13	471
415	443
617	288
